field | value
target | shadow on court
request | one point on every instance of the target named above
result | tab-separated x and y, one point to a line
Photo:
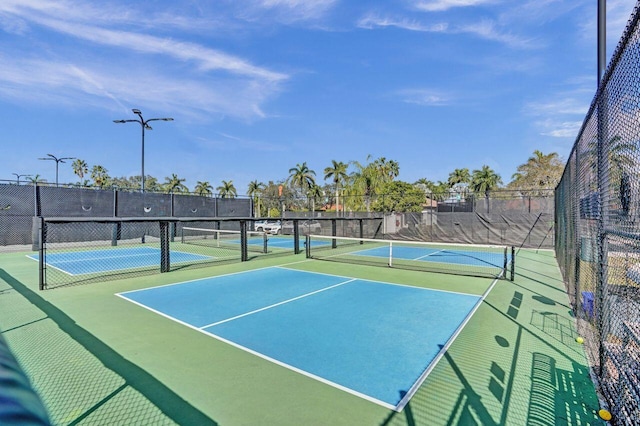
515	363
68	360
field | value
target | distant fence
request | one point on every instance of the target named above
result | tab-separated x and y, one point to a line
19	204
598	230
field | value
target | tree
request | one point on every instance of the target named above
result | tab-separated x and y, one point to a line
100	176
203	188
485	180
459	176
174	184
80	169
302	177
541	171
315	193
227	190
400	197
254	190
337	172
364	182
388	169
35	179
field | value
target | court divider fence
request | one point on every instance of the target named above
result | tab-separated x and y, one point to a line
598	230
458	259
72	251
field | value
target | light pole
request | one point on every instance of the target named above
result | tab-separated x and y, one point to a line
18	176
58	161
144	124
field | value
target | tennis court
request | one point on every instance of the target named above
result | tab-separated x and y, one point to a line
373	339
441	255
110	260
292	340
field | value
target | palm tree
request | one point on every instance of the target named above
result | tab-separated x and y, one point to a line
337	171
485	180
459	176
302	177
254	191
80	169
539	172
459	180
365	180
227	190
35	179
203	188
315	192
100	176
388	170
174	184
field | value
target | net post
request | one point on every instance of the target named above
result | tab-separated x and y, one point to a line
165	261
116	231
296	236
244	255
265	242
334	232
307	243
504	267
41	263
361	230
390	254
513	262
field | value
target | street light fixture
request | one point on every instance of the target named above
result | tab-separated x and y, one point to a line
58	161
18	176
144	124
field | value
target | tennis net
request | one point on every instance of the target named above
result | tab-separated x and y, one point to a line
257	241
459	259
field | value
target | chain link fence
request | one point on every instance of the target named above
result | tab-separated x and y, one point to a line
598	230
504	217
21	204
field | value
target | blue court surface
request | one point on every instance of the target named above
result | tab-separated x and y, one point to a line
110	260
278	242
286	242
452	256
375	340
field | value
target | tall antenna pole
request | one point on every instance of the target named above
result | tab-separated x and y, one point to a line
602	38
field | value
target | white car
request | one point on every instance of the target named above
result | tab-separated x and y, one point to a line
266	225
272	227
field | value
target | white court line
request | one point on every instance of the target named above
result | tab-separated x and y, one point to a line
430	254
303	372
277	304
404	401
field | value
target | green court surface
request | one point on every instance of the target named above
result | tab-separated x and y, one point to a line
96	358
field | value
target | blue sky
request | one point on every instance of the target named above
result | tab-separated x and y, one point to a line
258	86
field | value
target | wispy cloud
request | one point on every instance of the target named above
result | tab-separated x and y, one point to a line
567	105
561	115
485	29
442	5
424	97
189	77
373	21
559	129
284	11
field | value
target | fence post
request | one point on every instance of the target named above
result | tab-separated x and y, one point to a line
165	261
41	264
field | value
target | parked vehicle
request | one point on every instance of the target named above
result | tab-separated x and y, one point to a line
272	227
266	225
304	227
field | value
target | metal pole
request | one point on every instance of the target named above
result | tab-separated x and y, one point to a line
142	125
603	181
602	39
